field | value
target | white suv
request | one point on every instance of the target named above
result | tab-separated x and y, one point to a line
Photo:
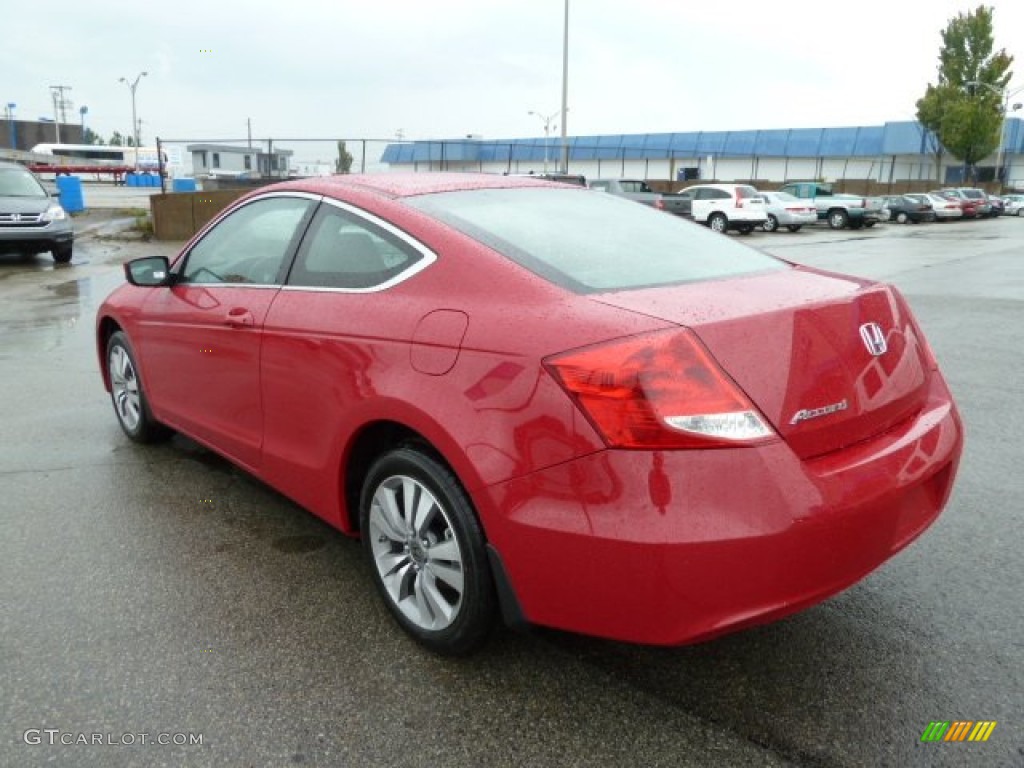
727	206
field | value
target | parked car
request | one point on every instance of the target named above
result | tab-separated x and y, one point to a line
840	210
998	206
787	211
641	192
967	205
725	207
976	197
563	178
1014	203
905	209
539	401
31	220
945	208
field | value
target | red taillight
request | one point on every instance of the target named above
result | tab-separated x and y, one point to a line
659	204
658	390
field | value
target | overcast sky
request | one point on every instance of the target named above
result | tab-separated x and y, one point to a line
447	68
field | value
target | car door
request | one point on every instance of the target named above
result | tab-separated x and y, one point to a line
200	339
337	335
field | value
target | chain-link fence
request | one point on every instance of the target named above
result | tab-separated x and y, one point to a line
251	161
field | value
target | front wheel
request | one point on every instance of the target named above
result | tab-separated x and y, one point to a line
128	395
838	219
902	218
62	254
718	222
771	225
427	551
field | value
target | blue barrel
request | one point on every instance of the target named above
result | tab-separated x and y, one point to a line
154	180
71	198
184	185
131	180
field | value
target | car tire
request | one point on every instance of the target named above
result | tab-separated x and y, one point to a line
128	394
718	223
62	254
794	227
771	225
426	551
902	218
870	224
838	219
745	229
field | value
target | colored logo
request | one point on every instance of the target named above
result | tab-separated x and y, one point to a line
958	730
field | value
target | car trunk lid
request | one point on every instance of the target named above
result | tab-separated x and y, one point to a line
829	360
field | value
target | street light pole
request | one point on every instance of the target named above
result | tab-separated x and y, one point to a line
12	129
135	123
1005	94
546	119
565	89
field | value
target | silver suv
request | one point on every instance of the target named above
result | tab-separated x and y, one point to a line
31	221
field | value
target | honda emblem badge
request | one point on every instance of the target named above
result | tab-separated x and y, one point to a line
874	338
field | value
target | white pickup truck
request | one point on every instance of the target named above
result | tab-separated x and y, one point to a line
838	209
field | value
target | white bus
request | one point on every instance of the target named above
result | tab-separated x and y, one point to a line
98	154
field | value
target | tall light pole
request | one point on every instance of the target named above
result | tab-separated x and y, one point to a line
546	119
1005	94
565	89
135	123
12	129
82	112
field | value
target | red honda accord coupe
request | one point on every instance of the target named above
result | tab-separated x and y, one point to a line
544	401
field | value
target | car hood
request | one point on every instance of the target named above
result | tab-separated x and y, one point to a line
25	204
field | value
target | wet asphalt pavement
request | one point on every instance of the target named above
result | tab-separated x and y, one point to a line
158	590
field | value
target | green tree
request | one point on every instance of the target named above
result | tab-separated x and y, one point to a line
344	162
963	108
116	139
89	136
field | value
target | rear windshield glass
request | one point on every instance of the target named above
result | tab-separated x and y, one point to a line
591	242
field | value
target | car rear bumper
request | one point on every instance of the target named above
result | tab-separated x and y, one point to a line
675	547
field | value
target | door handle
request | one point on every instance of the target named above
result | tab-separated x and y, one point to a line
239	317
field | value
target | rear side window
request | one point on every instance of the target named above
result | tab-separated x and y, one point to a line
743	193
590	242
342	250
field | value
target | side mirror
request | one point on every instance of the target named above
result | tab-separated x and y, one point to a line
148	272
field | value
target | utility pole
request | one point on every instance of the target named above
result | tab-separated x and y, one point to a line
60	106
565	89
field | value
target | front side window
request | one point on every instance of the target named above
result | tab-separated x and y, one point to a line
249	245
342	250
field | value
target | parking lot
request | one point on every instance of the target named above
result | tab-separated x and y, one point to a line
160	591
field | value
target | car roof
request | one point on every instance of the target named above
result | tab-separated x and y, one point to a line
396	185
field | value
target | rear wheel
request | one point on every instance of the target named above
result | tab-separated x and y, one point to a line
427	551
128	394
771	225
838	219
902	218
794	227
718	222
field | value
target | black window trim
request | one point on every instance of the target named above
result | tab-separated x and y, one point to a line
289	256
428	256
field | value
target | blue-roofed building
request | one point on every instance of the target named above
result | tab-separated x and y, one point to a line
895	151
